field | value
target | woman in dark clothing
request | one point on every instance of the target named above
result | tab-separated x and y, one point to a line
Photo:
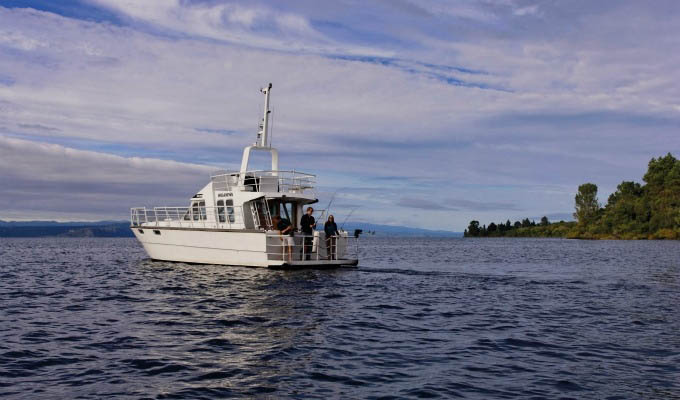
331	230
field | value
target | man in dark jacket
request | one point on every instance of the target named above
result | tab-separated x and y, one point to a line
307	225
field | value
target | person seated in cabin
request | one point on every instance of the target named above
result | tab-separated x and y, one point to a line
285	229
307	225
331	230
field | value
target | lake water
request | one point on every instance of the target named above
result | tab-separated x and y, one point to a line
472	318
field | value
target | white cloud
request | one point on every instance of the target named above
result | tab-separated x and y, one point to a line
577	107
460	9
39	178
19	41
529	10
250	24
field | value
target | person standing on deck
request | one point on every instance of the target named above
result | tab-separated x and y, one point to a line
307	225
286	231
331	230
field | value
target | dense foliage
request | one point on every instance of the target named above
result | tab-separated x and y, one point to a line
524	228
633	211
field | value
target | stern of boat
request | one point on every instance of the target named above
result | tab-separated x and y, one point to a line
312	251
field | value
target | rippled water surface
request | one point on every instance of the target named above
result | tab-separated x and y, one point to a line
473	318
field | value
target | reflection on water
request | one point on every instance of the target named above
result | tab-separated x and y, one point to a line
420	318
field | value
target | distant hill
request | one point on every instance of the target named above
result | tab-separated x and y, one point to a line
393	230
65	229
55	223
121	229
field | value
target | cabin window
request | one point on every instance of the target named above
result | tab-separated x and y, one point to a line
287	209
198	210
140	231
156	231
220	211
230	210
274	207
204	216
194	211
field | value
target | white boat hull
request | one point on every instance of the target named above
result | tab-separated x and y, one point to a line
224	247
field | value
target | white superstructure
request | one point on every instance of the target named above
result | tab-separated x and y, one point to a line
229	221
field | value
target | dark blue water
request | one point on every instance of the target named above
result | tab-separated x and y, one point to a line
472	318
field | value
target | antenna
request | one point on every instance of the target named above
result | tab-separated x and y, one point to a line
264	126
271	130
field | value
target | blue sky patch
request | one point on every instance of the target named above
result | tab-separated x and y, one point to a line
68	8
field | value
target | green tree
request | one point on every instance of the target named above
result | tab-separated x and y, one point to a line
627	211
662	191
473	229
492	228
633	211
587	206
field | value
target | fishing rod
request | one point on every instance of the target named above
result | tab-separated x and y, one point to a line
347	217
324	212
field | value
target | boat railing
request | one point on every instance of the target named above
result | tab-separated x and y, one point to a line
264	181
227	217
314	247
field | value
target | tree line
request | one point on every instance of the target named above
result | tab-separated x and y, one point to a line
634	211
507	228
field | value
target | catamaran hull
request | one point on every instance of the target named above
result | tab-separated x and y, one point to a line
225	247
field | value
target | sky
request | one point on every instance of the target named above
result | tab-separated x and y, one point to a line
421	113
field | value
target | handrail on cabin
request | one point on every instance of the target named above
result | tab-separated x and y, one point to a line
280	181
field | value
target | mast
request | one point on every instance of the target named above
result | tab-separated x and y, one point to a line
262	142
263	134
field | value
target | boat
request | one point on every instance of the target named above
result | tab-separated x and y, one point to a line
231	221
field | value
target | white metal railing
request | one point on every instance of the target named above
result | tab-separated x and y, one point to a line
313	247
193	217
264	181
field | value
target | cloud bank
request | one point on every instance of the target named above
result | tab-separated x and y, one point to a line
58	182
423	113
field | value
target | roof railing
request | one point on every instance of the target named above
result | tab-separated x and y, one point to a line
265	181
